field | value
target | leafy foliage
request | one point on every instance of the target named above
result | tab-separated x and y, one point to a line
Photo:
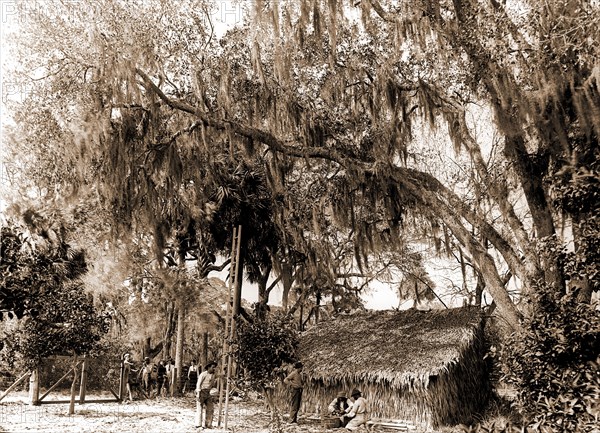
263	345
575	190
554	364
40	283
32	265
341	95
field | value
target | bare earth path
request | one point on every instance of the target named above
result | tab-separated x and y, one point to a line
146	416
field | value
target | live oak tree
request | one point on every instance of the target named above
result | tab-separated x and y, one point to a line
425	61
357	86
186	202
469	123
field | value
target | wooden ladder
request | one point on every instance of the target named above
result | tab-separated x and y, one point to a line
230	322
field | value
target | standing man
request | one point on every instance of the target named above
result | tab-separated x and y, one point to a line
146	375
294	380
161	375
206	381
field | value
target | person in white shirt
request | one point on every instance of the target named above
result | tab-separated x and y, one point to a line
357	412
127	375
170	379
207	381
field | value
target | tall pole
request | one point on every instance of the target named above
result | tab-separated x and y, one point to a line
121	381
239	275
73	386
179	350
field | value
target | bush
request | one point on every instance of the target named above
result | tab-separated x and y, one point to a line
263	345
554	364
40	277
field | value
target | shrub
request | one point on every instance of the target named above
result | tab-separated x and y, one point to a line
554	364
41	287
263	345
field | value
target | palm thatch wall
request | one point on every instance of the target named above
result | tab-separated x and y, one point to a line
422	366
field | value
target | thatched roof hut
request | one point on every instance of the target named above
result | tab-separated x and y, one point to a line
426	367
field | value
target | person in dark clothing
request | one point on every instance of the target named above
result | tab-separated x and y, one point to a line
161	377
338	407
192	376
295	381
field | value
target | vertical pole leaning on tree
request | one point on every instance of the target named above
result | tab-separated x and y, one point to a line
229	314
177	370
232	327
83	384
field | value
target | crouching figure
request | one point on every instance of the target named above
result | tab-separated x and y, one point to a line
357	413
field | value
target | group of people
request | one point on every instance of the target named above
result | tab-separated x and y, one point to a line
160	377
352	411
154	379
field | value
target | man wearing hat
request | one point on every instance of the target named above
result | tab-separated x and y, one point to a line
294	380
206	382
358	411
338	407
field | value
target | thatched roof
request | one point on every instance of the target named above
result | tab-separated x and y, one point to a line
401	348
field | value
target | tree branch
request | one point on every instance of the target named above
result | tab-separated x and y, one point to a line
272	286
218	268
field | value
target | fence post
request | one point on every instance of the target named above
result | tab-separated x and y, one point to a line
198	417
34	387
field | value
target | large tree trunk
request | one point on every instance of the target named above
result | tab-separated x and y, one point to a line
204	350
484	262
263	293
531	175
436	199
150	351
287	281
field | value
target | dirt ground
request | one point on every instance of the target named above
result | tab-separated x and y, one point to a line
144	416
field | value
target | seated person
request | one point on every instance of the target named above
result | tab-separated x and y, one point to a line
357	414
338	407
